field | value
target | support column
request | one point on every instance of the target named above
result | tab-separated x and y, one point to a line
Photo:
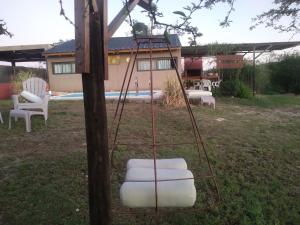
13	68
95	117
253	74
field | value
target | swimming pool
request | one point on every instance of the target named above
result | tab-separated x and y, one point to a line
111	95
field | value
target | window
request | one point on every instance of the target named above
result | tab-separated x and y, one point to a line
114	59
144	65
157	64
163	64
63	68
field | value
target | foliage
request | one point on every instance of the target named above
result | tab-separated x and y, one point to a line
183	24
19	78
262	77
282	9
188	83
172	93
229	74
285	75
139	29
234	88
285	9
220	48
3	29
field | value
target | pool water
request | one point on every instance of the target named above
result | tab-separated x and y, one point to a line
112	95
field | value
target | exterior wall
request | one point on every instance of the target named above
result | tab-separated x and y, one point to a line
116	73
5	90
65	82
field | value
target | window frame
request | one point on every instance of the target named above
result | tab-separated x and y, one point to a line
156	60
59	63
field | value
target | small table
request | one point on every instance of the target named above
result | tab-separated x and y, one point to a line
210	100
17	113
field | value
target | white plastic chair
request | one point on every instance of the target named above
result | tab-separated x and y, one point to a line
216	84
205	85
37	87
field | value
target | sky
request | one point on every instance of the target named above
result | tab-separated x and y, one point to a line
39	22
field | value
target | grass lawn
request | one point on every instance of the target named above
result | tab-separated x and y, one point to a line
255	152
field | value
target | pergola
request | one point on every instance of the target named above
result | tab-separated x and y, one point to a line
245	48
23	53
257	49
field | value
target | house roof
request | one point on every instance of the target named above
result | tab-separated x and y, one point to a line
116	44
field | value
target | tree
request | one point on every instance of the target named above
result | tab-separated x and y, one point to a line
183	25
288	9
283	9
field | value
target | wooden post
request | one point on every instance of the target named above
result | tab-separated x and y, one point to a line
13	68
95	116
253	73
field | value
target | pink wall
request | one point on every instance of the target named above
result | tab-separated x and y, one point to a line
5	90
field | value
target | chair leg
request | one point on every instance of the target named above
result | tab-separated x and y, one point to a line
28	122
1	119
9	122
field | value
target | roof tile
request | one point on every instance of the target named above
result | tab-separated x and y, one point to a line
115	44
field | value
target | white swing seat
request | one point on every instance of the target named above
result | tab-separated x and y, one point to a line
175	163
175	188
147	174
179	193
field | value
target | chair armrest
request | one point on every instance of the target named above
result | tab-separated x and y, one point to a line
30	106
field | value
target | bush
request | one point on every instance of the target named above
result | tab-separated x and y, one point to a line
285	76
262	77
173	95
18	80
234	88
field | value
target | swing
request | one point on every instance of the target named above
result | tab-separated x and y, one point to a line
160	183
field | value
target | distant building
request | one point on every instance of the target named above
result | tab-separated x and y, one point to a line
197	68
61	65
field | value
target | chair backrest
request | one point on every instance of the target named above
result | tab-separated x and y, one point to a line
35	86
205	83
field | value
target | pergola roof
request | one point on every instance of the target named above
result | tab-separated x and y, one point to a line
23	53
203	50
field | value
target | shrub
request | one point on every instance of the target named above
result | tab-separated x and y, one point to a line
234	88
243	91
173	95
285	75
18	80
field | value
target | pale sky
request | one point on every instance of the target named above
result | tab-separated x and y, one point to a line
39	22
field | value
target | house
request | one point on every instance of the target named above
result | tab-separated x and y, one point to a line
61	64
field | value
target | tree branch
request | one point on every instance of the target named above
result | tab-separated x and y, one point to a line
185	17
273	18
3	29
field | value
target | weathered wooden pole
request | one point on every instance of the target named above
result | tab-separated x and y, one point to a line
253	73
94	52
